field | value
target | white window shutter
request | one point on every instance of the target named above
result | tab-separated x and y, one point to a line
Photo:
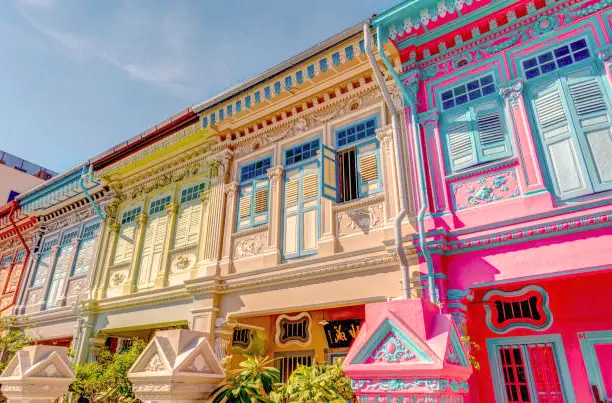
188	224
125	244
565	163
461	141
84	256
593	113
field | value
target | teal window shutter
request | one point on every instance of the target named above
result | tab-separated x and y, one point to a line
368	168
492	134
592	111
560	142
461	145
260	201
329	173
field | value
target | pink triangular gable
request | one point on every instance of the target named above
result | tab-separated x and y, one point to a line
411	337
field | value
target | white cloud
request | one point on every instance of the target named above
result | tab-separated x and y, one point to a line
151	52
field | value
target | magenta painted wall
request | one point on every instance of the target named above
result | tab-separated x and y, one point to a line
579	304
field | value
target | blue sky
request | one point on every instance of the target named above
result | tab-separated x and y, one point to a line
79	76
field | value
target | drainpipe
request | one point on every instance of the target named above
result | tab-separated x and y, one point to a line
399	164
84	173
25	259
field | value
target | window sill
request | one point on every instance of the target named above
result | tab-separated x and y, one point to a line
365	201
480	169
248	231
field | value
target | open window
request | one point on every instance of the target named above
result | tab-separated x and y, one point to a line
352	170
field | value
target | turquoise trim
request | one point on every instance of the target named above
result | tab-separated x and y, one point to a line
379	335
518	325
259	182
588	341
457	347
561	360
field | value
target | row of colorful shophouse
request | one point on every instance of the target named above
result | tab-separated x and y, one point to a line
422	192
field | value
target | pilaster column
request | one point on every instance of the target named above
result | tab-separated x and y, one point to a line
231	192
162	277
212	229
45	289
111	248
61	300
105	248
530	172
384	135
456	306
435	154
27	280
275	211
411	81
141	224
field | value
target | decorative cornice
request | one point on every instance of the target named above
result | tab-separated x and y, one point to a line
525	234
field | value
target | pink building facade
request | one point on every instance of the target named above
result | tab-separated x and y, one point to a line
508	115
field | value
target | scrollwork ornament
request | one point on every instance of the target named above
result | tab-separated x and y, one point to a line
231	189
512	92
411	82
428	120
385	136
605	55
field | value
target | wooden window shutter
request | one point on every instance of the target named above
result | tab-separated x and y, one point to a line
492	135
368	166
125	244
245	205
291	191
310	184
560	143
593	112
261	201
329	173
461	141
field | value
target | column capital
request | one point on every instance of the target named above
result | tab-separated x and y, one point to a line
512	91
142	219
222	162
231	189
605	54
171	208
115	227
275	173
428	117
384	135
412	80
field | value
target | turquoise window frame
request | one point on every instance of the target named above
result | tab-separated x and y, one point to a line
357	144
565	378
593	62
587	341
48	243
256	183
300	209
470	105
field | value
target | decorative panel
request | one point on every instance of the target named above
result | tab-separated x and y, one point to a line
485	189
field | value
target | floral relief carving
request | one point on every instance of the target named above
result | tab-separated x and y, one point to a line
498	186
251	245
76	286
118	278
362	219
182	262
155	364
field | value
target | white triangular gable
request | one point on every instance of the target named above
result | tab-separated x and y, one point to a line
151	359
51	366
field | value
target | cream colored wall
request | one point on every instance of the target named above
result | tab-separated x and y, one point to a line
12	179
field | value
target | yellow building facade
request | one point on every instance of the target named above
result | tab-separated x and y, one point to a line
263	216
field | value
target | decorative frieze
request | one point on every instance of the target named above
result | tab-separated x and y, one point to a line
250	242
363	219
486	189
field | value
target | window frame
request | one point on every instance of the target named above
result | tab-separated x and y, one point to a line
256	183
563	372
470	108
356	145
559	78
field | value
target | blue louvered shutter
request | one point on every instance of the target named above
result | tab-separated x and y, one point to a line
368	168
592	111
329	173
260	201
492	134
560	143
460	140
